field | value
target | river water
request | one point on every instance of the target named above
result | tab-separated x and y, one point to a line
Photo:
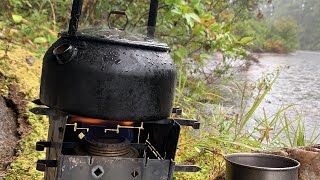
298	84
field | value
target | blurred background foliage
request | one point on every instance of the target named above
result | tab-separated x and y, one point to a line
306	14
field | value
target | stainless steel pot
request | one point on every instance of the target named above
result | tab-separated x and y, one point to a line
258	166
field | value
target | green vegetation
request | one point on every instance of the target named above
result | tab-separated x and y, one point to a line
278	36
283	26
306	14
194	30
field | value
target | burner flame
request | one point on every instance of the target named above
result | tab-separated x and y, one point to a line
99	121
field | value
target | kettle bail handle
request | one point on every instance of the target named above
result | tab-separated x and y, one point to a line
77	8
118	13
152	20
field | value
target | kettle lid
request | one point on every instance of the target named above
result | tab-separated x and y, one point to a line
118	37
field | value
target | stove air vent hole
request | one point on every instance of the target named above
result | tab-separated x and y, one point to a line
97	172
134	174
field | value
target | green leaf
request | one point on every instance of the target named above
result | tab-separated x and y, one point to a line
169	2
194	16
179	55
182	52
191	17
189	20
40	40
17	18
246	40
51	38
205	56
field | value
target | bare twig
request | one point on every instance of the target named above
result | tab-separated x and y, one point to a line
53	15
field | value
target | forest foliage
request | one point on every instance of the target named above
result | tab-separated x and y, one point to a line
284	26
307	15
277	36
187	26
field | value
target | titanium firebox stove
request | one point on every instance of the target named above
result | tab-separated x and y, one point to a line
109	101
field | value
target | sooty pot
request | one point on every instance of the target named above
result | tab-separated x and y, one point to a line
108	73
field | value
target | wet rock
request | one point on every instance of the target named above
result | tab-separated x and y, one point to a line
310	163
309	158
8	134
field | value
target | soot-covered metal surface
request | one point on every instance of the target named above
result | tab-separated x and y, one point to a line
67	157
86	167
109	82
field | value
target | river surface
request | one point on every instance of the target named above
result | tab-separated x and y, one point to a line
298	84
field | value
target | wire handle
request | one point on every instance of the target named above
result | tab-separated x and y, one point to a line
77	8
116	12
75	16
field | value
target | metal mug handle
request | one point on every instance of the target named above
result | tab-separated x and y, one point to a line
118	13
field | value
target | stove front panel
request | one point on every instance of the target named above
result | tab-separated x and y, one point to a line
104	168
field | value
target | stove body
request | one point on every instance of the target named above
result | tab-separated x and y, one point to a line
150	155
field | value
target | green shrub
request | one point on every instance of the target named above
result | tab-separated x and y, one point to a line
279	36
